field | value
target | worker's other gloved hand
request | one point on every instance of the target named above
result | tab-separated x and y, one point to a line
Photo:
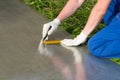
54	25
80	39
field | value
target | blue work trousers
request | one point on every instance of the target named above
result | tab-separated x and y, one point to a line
106	43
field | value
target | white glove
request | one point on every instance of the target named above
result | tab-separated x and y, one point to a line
81	38
54	25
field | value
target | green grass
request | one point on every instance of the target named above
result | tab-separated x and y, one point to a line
73	24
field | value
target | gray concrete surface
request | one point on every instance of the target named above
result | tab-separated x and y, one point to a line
21	57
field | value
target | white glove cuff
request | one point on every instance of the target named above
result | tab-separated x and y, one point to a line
56	21
83	35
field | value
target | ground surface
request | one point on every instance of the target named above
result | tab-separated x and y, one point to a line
20	59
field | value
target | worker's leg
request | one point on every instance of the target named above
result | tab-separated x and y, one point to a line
106	43
112	10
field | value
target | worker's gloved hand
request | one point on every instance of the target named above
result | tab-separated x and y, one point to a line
53	24
80	39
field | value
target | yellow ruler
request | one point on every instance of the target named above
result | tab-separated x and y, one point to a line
52	42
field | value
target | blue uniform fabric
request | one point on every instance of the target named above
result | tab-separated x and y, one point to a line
106	43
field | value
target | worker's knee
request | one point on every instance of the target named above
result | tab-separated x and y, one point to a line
91	47
97	47
104	48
